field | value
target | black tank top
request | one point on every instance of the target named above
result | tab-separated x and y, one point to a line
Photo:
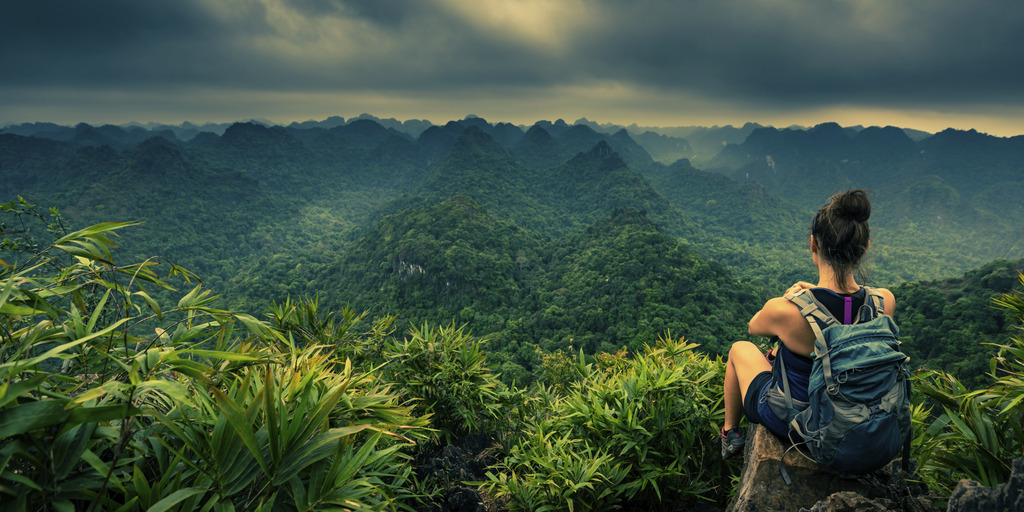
842	306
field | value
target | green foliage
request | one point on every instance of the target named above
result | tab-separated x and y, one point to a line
269	212
443	370
558	371
634	432
977	434
732	217
623	281
437	263
618	284
951	324
212	410
16	227
119	392
305	322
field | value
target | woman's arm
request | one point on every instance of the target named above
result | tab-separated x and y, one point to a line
771	319
780	317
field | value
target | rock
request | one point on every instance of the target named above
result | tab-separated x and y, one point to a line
971	496
449	468
851	502
814	488
762	487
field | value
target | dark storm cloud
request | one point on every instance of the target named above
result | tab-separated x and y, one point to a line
782	53
818	51
381	44
80	43
130	45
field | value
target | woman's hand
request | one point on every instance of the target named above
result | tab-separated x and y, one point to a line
800	285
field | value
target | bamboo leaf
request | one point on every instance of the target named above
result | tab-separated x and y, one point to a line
318	448
154	306
1013	403
111	386
62	505
10	392
274	417
97	311
53	352
190	299
257	327
68	448
192	369
8	289
220	354
141	486
174	498
173	389
240	424
101	413
30	416
96	229
87	251
15	310
962	427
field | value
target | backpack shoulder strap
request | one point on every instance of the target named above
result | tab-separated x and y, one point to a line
814	311
873	306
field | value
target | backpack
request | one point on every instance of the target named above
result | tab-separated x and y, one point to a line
857	416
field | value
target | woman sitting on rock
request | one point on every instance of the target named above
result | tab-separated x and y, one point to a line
839	239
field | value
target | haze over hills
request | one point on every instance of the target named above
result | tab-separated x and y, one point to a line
552	235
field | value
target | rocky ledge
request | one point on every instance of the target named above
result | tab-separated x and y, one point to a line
762	488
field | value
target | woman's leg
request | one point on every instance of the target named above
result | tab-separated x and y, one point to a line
744	363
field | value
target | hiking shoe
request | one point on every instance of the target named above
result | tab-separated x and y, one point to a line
732	442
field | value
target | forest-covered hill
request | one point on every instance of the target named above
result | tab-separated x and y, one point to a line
550	236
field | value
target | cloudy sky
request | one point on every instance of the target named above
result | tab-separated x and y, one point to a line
926	64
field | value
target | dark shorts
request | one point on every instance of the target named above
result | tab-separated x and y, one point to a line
750	401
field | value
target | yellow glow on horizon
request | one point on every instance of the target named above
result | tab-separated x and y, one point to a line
605	102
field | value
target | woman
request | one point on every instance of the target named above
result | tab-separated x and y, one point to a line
839	239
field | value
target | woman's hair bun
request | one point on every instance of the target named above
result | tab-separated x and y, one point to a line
852	204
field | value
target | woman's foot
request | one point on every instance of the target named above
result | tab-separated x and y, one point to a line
732	442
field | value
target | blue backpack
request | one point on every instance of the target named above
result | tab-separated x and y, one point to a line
857	417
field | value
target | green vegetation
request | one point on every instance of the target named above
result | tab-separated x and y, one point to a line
114	400
217	410
976	433
618	284
951	325
474	281
627	432
941	206
111	400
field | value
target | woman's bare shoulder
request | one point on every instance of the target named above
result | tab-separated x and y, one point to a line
774	318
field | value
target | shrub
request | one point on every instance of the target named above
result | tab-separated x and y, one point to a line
305	323
976	434
111	401
443	370
637	433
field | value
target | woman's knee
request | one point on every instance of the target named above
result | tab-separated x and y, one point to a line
747	359
741	348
